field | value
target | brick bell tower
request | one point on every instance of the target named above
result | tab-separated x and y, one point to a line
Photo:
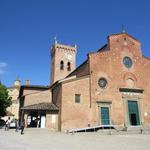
63	61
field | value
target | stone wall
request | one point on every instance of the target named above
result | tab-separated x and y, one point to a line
14	108
52	121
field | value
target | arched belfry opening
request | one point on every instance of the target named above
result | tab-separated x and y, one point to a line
61	65
68	66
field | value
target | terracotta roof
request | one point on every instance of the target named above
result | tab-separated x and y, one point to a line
77	68
35	86
41	106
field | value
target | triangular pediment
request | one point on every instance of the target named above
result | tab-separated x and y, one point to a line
124	42
123	35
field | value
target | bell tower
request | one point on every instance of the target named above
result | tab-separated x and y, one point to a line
63	61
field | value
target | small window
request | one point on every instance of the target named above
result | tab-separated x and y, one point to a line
61	65
77	98
102	82
68	66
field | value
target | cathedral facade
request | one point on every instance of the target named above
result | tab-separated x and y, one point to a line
111	87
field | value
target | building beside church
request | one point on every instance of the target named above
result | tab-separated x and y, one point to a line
110	87
13	91
36	107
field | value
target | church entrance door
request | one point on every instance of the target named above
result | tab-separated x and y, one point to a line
105	116
133	113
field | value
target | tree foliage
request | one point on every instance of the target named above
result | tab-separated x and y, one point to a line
5	100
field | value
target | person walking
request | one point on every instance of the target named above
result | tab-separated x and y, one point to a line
7	124
16	125
22	126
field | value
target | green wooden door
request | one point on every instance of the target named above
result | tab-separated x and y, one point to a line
105	116
133	113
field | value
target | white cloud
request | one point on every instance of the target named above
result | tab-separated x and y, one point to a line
2	67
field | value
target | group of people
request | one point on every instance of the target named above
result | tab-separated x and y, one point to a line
22	125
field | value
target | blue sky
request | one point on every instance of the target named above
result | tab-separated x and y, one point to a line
28	27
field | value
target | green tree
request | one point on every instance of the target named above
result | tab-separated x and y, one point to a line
5	100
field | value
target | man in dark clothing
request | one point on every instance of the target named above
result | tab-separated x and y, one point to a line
22	126
16	125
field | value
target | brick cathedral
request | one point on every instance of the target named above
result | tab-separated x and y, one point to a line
111	87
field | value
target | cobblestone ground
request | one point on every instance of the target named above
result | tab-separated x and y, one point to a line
42	139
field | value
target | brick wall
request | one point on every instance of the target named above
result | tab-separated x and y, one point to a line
60	53
74	115
36	96
109	64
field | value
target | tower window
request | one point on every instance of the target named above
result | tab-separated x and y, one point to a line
61	65
68	66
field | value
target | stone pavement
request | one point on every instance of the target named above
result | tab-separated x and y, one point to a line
43	139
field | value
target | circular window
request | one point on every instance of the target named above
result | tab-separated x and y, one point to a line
127	61
102	82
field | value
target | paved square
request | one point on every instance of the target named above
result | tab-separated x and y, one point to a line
43	139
